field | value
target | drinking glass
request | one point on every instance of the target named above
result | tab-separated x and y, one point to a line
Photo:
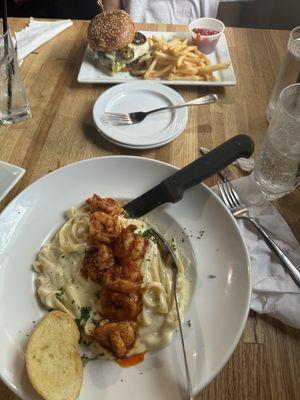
14	106
289	72
277	166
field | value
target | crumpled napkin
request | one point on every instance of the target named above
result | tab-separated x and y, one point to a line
273	291
36	34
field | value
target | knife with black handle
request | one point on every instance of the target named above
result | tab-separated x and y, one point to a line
172	188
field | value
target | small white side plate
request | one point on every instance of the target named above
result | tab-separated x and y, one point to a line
9	176
156	129
91	72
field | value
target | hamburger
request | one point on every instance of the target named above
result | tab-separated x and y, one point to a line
119	47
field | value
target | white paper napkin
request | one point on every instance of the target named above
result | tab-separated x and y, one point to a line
273	291
36	34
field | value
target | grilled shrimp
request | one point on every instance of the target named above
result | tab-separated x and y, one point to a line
117	337
120	306
96	261
131	270
104	228
99	266
130	247
123	243
107	205
114	280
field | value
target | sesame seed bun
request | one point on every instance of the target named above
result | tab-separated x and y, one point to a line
110	31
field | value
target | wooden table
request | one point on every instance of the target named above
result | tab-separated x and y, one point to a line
265	364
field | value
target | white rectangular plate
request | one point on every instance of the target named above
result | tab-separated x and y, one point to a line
91	72
9	176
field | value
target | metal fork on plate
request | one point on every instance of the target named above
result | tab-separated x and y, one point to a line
169	249
240	211
135	117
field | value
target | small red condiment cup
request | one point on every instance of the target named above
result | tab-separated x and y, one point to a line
206	44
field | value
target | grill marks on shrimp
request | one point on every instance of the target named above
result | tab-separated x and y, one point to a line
113	261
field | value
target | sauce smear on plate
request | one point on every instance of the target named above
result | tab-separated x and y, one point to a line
130	361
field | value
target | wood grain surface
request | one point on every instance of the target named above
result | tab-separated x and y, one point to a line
265	364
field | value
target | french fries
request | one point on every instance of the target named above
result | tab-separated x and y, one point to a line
178	60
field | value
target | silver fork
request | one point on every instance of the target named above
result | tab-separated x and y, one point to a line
240	211
169	249
135	117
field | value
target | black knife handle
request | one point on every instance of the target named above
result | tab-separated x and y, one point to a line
207	165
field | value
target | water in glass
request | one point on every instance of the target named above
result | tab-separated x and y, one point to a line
289	72
14	106
276	168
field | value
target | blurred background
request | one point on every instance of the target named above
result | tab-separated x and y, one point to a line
276	14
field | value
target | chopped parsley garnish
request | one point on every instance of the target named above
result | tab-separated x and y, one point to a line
148	234
60	293
85	359
85	313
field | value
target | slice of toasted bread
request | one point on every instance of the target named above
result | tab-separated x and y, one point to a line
52	358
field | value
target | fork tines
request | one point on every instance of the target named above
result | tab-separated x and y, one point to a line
229	195
118	117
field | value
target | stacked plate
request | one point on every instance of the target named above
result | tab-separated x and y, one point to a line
9	176
155	130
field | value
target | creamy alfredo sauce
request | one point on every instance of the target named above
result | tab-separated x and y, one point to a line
61	286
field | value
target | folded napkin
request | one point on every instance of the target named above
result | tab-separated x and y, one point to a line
36	34
273	291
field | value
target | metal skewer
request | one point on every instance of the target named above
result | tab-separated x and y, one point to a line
176	269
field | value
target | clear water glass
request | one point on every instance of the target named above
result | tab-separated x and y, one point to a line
289	72
14	106
277	166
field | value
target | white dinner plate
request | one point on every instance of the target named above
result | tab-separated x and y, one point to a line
204	229
92	72
9	176
156	129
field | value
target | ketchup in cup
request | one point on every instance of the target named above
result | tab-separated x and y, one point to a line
206	33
